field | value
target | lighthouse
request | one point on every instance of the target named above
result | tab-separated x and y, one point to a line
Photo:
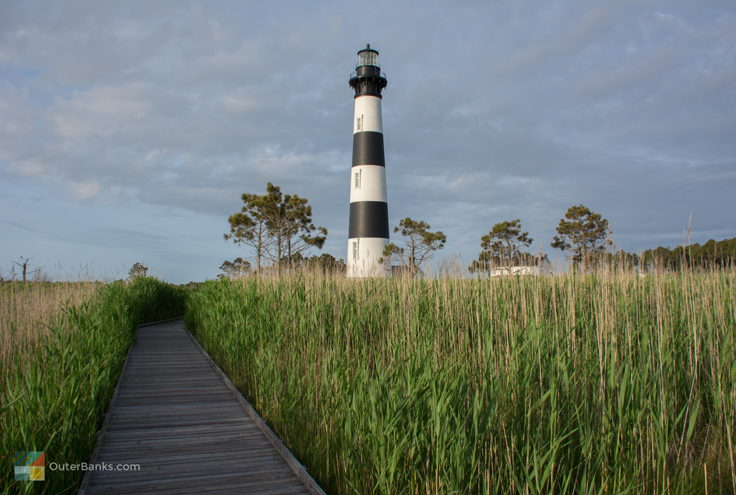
368	229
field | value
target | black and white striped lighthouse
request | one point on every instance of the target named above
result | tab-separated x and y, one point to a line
368	231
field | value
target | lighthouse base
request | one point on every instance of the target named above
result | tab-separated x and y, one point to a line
364	255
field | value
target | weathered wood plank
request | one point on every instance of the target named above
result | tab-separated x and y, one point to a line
258	468
215	450
164	433
176	415
220	484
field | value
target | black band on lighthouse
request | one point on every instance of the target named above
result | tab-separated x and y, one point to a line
368	80
368	148
368	219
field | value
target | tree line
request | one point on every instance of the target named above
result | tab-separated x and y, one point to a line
279	229
712	254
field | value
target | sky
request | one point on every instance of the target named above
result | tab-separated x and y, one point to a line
129	130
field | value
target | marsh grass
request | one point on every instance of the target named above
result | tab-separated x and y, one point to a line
27	310
607	383
55	387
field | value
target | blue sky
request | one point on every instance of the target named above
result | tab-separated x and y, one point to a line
129	131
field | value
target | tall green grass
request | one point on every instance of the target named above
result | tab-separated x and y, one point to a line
607	384
26	310
54	394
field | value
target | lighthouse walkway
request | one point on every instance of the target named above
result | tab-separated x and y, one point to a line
179	418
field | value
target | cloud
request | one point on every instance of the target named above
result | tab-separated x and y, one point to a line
606	84
85	190
103	111
493	111
570	38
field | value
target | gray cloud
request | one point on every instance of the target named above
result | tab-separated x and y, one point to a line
493	111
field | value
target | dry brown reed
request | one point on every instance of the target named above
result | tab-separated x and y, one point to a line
27	310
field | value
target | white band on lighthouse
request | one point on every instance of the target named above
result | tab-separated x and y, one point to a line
368	183
367	114
362	255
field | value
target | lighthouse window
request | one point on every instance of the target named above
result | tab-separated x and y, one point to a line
357	178
368	57
356	249
359	123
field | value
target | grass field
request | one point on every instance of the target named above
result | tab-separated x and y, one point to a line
63	348
611	383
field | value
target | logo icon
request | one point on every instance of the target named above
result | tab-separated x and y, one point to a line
30	466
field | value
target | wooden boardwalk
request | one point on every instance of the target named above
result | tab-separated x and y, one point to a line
176	415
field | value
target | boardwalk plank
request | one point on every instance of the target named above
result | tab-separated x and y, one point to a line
213	483
210	445
176	415
259	468
158	434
